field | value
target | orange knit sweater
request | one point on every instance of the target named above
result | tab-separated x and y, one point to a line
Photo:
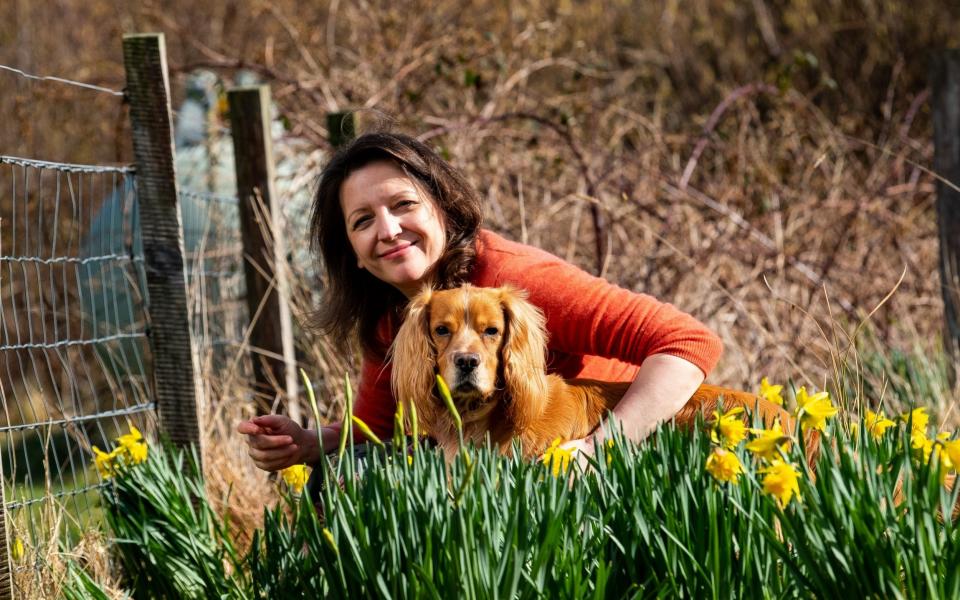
597	330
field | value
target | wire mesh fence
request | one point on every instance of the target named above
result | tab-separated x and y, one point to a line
216	287
84	354
74	354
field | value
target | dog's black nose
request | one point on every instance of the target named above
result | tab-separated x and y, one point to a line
466	361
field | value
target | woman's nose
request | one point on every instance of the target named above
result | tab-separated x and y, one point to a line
388	227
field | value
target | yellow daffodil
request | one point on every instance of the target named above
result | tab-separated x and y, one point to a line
950	451
609	448
815	409
918	418
17	550
771	392
365	429
728	429
724	465
137	452
781	481
328	538
769	442
877	424
947	452
105	461
557	458
946	461
930	444
128	439
399	426
132	450
448	401
921	444
133	445
296	477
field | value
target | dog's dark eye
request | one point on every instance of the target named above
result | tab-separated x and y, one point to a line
442	330
491	331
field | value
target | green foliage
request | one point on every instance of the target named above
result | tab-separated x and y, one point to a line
80	586
903	379
168	539
645	521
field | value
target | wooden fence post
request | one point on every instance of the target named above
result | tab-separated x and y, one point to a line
175	363
945	84
341	128
264	247
6	577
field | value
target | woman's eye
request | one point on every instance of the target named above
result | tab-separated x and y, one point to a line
441	330
404	204
491	331
361	222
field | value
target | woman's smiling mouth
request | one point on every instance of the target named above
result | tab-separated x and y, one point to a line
398	251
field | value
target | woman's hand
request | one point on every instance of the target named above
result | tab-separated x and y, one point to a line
276	442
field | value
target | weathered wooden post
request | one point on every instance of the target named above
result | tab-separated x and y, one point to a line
945	84
6	577
175	362
341	128
264	247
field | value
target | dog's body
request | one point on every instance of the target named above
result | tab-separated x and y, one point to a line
489	345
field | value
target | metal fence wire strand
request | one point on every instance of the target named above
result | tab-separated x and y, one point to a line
74	355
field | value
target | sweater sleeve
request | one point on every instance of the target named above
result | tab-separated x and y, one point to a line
374	404
587	315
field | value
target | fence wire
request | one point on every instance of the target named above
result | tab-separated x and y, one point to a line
216	284
74	356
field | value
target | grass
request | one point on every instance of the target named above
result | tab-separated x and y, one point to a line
83	507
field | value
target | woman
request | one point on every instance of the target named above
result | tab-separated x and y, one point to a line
391	216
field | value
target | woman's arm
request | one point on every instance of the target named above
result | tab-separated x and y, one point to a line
663	385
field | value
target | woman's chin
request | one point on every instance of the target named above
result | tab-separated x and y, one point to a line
407	280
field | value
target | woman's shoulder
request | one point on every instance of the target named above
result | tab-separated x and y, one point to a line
493	243
500	260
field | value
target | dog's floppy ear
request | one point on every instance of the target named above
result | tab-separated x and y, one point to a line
413	357
524	357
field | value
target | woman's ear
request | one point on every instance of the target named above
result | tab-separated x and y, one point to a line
524	358
413	357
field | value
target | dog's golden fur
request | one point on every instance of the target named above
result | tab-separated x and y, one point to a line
490	346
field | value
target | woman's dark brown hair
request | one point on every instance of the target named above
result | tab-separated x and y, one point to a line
354	301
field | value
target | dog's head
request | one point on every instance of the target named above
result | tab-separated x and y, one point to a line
488	344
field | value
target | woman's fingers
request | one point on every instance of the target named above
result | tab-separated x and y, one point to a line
273	460
274	454
265	442
275	423
249	428
270	441
268	424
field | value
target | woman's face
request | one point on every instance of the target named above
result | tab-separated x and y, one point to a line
394	226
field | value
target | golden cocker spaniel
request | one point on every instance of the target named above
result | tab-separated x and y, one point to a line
490	346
